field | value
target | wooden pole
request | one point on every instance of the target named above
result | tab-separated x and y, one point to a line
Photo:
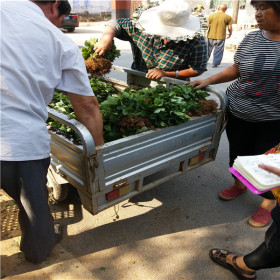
120	8
235	10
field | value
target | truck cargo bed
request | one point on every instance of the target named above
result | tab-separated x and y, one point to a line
118	170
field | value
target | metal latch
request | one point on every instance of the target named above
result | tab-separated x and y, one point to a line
203	149
93	161
58	167
120	184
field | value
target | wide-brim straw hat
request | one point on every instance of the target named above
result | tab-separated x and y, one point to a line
171	20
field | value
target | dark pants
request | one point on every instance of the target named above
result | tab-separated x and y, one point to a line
25	182
218	46
267	255
251	138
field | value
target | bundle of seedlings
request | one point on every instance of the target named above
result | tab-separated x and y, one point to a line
61	103
131	112
98	65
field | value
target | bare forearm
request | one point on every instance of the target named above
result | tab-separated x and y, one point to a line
94	123
271	169
158	73
105	43
229	74
88	113
108	34
229	31
185	73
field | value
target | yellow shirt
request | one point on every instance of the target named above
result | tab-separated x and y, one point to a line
217	25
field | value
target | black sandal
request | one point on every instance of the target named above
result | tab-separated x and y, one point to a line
220	258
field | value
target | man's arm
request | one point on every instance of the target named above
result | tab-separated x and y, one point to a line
88	113
229	31
209	19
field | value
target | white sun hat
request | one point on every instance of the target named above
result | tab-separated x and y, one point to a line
171	20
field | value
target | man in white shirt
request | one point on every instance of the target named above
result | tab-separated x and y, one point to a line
36	58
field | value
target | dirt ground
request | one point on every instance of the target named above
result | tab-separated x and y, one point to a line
10	232
9	222
12	259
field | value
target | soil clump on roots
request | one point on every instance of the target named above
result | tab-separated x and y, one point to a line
98	66
207	107
135	122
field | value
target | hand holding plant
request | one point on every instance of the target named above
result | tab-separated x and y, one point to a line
95	64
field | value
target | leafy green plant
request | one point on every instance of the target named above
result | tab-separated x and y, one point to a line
88	51
164	107
101	89
61	103
161	106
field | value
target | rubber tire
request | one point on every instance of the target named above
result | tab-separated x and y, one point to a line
60	192
72	29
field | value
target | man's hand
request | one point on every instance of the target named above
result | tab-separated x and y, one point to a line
271	169
229	31
156	74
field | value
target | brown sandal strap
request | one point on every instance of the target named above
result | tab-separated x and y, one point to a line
221	255
241	270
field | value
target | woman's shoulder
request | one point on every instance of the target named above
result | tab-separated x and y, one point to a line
254	34
252	37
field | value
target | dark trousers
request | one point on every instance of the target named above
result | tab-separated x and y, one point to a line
267	255
251	138
218	46
25	182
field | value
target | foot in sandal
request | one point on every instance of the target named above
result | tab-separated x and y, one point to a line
232	262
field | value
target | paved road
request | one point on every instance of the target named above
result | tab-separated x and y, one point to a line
162	234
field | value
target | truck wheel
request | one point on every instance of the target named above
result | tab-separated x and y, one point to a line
72	29
59	191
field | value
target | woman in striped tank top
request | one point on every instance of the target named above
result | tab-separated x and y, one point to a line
253	127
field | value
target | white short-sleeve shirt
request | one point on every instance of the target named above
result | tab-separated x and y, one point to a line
36	58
